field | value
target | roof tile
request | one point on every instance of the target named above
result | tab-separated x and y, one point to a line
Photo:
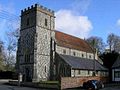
72	42
82	63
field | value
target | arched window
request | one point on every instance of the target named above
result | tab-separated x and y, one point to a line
27	58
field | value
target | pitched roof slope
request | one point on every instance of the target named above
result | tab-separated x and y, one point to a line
117	63
82	63
72	42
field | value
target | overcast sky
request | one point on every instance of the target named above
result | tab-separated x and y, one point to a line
81	18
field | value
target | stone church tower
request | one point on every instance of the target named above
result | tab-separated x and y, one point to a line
34	53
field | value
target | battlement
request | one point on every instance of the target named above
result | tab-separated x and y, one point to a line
37	7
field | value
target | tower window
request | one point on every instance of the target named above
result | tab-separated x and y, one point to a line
45	69
45	22
28	21
27	58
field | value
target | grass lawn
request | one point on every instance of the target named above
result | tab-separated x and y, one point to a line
49	82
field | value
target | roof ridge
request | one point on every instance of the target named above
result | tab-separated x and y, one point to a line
70	35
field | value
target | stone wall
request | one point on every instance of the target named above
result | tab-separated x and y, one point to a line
34	49
26	44
73	52
44	27
25	53
79	72
62	68
71	82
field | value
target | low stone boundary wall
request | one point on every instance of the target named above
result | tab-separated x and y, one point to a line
72	82
66	82
35	85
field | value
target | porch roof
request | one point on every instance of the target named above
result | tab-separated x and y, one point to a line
82	63
117	63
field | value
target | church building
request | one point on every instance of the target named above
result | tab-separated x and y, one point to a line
47	54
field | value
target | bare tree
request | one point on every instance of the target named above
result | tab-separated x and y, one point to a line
12	38
1	46
10	58
2	65
97	43
110	41
113	42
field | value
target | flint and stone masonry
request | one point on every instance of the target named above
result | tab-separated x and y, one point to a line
37	25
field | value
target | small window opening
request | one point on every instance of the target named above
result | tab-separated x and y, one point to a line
82	55
79	71
88	72
45	69
74	53
64	51
90	56
45	22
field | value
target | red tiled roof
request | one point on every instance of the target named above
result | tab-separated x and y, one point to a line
72	42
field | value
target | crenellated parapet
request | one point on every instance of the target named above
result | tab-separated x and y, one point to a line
38	8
